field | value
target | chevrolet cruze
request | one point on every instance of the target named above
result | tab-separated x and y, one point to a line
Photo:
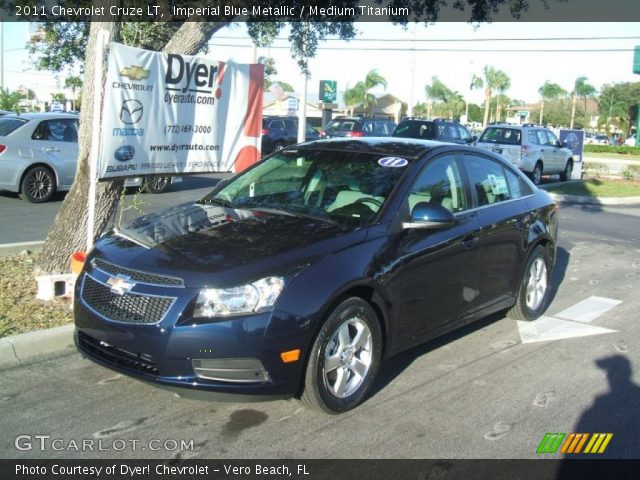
300	275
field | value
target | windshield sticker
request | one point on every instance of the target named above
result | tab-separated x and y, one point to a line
394	162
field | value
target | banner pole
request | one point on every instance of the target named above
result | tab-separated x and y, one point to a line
101	42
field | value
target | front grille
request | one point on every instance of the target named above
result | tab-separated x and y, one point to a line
136	275
128	307
116	356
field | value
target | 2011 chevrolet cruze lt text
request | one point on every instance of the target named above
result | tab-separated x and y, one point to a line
299	275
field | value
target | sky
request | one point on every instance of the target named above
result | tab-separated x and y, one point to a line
408	59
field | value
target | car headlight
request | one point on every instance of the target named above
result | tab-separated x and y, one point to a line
255	297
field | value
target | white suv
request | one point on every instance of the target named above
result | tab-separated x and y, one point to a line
532	148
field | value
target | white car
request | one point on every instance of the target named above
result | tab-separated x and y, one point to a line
631	141
534	149
38	153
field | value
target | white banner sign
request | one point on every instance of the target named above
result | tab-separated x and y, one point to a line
167	113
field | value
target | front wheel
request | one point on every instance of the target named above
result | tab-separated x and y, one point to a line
344	359
157	184
568	169
533	293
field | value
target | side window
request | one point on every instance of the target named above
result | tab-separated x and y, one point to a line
440	183
380	128
517	187
488	180
553	140
62	130
464	134
533	137
542	137
276	124
290	125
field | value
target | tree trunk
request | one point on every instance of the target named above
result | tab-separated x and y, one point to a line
69	231
487	106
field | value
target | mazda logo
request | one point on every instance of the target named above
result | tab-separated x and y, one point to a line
131	112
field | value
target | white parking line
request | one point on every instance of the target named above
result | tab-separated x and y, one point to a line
546	329
588	310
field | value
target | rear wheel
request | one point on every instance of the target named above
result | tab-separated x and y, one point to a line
568	169
38	185
536	175
344	359
157	184
533	294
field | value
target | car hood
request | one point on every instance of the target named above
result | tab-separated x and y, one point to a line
213	245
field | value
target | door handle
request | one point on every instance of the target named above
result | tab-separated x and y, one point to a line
470	241
51	149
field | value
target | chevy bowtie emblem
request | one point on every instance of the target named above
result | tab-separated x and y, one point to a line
135	72
120	284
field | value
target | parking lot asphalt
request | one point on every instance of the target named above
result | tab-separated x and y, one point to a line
490	390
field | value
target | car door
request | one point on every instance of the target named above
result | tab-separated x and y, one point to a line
556	149
503	217
432	278
56	144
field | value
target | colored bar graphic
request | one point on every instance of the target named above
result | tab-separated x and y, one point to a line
574	442
550	443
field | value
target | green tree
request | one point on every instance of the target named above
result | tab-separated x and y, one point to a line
549	91
359	94
618	105
503	83
583	90
73	82
10	100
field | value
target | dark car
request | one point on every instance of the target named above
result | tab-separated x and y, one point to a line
437	129
301	274
358	127
279	132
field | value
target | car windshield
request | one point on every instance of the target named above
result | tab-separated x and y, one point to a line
509	136
413	129
10	124
346	188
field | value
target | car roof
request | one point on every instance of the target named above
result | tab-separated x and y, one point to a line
409	148
40	115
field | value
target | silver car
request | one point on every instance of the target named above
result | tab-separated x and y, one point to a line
38	154
534	149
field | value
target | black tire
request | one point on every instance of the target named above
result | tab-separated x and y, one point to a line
38	185
525	308
350	316
536	175
157	184
566	173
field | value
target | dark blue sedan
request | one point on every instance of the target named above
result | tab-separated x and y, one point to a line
300	275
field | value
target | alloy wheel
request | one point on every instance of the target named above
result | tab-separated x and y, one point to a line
536	284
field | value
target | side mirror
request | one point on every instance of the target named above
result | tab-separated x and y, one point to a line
474	139
429	215
221	183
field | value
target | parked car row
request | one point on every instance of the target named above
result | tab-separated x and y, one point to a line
38	156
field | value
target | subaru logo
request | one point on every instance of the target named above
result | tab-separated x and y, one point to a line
131	112
120	284
124	153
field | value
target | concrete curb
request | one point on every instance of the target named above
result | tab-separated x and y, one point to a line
36	346
7	249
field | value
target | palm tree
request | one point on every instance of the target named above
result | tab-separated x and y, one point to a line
549	91
438	91
476	82
493	79
584	90
503	83
359	94
371	81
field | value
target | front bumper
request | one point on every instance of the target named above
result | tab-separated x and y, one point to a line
163	353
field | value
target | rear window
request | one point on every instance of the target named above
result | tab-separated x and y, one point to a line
508	136
341	126
412	129
8	125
